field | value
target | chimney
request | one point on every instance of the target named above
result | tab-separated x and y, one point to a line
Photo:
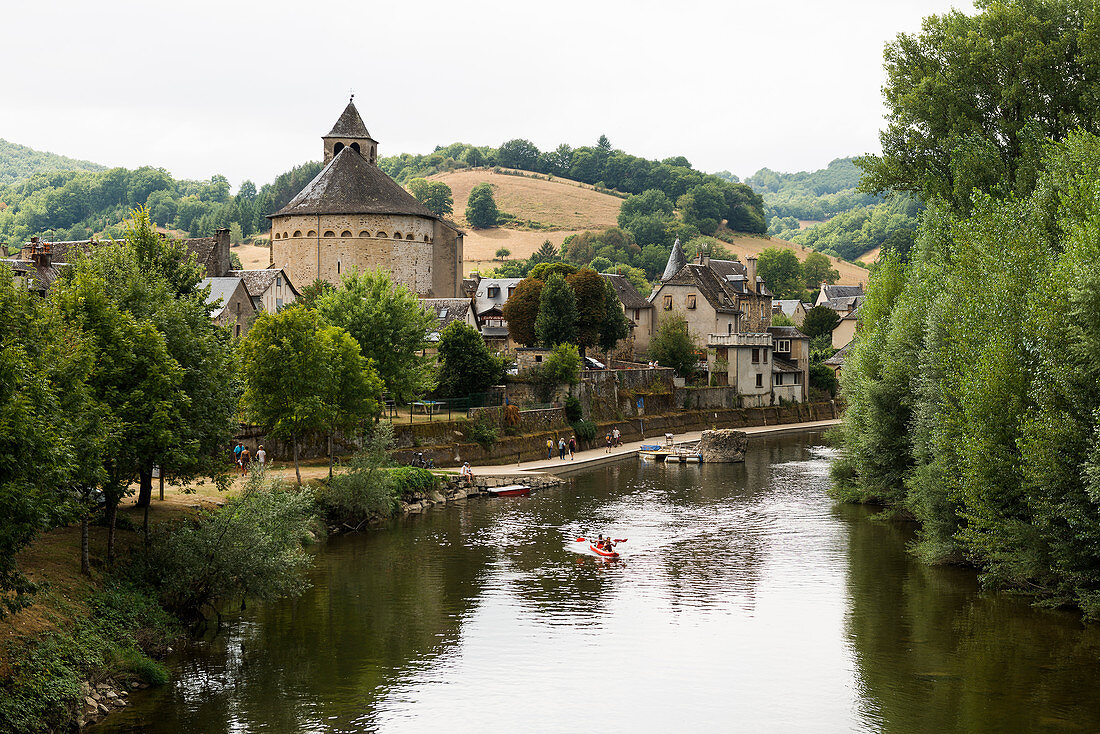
750	268
220	257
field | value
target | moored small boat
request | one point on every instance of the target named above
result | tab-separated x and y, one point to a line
510	490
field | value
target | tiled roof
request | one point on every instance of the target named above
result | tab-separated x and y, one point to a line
447	309
837	360
627	293
842	291
781	365
676	261
220	288
708	284
786	332
351	185
484	302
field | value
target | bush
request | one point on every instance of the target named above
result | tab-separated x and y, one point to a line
585	431
823	378
481	431
573	410
366	490
250	548
409	481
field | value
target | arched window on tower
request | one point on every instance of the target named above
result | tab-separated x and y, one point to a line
276	235
397	235
364	234
337	267
355	147
297	233
345	233
426	238
381	235
311	233
337	148
329	233
409	236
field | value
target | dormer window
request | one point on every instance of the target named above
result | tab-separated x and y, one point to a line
511	290
494	291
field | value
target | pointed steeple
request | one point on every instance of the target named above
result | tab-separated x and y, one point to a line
676	261
350	132
350	124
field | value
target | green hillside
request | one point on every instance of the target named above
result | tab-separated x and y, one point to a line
18	162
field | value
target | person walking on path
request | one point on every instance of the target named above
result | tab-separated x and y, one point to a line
561	448
572	446
245	458
237	454
261	457
616	437
549	448
607	439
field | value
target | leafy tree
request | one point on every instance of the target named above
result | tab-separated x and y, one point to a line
352	387
818	269
546	253
591	313
703	207
521	311
557	319
466	364
518	153
651	202
823	378
481	208
503	253
600	264
781	271
390	326
971	98
288	380
313	292
712	246
674	345
820	320
435	195
614	326
542	271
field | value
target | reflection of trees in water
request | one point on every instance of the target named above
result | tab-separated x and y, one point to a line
935	655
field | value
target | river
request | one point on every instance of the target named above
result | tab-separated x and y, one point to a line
745	600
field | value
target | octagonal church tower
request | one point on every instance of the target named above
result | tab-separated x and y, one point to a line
354	216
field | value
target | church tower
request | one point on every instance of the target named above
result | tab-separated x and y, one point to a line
350	132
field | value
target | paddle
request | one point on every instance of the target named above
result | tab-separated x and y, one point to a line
614	540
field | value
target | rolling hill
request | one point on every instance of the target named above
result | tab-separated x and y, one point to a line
567	207
18	162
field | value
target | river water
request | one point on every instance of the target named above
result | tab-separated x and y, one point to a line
745	600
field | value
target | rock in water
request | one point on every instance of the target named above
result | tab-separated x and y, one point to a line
724	445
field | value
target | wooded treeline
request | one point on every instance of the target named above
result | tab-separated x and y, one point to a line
972	384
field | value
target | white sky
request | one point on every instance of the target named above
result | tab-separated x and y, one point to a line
247	89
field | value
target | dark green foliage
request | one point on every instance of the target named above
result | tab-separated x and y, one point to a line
410	481
614	326
19	162
573	410
972	98
481	208
557	319
585	431
250	548
820	320
522	311
823	378
367	489
466	364
124	626
482	431
818	269
782	272
435	195
313	292
675	346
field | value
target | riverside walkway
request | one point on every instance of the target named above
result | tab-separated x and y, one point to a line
594	457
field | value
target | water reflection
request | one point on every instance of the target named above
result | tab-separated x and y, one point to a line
744	600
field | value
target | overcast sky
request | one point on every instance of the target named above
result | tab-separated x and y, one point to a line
247	89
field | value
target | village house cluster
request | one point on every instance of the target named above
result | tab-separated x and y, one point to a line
352	216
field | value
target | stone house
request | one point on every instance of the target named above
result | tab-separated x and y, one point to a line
638	310
490	295
448	310
354	216
743	362
270	289
233	306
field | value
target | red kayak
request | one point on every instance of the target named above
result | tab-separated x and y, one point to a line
602	552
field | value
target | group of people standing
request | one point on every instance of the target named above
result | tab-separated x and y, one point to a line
564	447
613	438
242	457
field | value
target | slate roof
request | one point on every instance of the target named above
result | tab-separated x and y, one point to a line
787	305
42	277
837	360
625	290
676	261
220	288
709	284
350	125
351	185
483	302
786	332
782	365
447	309
844	303
842	291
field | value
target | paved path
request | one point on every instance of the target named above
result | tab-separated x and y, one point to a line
594	457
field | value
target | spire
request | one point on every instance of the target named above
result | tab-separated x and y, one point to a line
350	124
676	261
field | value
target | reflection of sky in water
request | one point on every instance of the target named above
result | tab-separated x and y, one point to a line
745	600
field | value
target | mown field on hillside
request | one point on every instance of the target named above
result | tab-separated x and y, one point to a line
567	207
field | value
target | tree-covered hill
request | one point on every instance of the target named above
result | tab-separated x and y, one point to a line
18	162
